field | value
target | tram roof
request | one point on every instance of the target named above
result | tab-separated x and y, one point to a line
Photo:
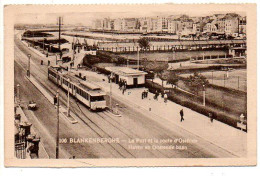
91	88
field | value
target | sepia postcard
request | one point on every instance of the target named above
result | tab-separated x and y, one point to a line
130	85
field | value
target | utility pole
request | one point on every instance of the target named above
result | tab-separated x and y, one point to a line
58	124
29	60
68	104
59	23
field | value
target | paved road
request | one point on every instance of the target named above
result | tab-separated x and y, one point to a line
131	126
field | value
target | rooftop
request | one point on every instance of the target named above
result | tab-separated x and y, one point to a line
125	71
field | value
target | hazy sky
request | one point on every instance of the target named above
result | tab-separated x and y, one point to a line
86	18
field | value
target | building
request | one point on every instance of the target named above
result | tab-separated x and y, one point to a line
242	25
211	27
145	25
231	24
133	78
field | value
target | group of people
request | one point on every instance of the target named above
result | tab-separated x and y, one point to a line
211	116
144	94
163	95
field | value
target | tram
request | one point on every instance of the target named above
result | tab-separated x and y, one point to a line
86	92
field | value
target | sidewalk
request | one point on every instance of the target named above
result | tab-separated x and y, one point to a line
42	152
220	134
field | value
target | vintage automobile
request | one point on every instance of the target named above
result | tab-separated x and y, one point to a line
32	105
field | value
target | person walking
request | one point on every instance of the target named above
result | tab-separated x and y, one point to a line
146	93
124	89
165	98
182	115
156	95
143	95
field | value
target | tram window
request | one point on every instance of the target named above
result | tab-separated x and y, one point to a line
97	98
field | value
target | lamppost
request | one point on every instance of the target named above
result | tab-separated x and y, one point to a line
56	101
56	59
204	95
68	103
138	58
18	94
28	70
110	97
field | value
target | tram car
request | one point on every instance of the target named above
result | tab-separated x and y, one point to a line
86	92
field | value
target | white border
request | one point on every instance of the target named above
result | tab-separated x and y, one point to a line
212	171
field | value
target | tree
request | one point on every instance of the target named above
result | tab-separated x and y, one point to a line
163	76
144	43
197	82
172	78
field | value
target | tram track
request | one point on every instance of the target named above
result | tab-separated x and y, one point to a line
104	125
64	102
122	151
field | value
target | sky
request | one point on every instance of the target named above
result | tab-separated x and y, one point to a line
86	18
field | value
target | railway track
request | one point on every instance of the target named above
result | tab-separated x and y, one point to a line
86	119
121	150
101	123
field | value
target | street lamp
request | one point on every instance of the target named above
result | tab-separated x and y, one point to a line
56	59
110	97
56	101
204	95
28	70
18	93
138	58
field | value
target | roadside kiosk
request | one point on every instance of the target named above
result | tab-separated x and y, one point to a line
133	77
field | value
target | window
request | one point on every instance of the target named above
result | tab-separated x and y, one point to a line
97	98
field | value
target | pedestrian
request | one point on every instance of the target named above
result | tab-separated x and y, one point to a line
146	95
143	95
165	98
108	78
120	84
124	89
155	95
182	115
242	118
211	117
162	94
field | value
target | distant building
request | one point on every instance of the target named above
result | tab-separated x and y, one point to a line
211	27
231	23
242	25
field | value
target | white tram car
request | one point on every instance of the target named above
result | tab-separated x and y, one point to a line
88	93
